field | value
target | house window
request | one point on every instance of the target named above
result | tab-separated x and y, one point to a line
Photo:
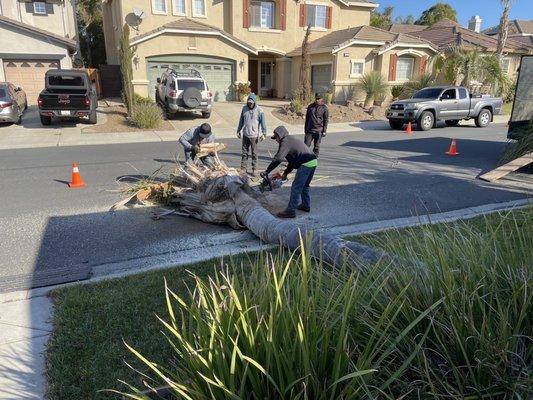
404	68
263	14
39	7
178	7
505	65
316	16
358	68
198	8
159	6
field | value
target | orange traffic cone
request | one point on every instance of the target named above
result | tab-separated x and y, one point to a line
409	128
76	182
452	151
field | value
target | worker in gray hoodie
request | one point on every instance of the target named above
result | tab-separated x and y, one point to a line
252	128
191	140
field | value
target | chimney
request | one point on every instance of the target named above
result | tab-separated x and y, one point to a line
475	24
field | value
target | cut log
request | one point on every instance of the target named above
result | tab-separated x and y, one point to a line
505	169
207	148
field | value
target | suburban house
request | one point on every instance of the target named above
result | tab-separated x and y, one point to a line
520	30
447	33
34	37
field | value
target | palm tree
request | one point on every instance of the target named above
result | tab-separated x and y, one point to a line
462	66
504	28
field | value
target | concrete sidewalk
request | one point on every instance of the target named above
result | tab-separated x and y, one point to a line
25	326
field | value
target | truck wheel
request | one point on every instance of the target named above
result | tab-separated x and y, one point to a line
425	121
166	111
93	117
206	114
46	120
396	125
451	122
484	118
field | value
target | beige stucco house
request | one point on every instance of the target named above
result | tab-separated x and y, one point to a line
34	37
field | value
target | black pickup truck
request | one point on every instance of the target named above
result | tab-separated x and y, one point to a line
68	93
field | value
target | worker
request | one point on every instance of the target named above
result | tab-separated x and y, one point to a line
299	157
193	138
252	128
316	123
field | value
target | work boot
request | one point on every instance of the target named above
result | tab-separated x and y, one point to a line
301	207
287	214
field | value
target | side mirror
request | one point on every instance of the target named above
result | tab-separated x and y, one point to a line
158	80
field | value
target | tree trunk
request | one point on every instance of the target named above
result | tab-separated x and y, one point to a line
305	69
504	29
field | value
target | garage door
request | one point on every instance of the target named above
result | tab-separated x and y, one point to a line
29	75
218	73
321	78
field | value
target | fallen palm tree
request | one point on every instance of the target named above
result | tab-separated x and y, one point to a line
223	195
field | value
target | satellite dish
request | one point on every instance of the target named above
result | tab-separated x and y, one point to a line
140	14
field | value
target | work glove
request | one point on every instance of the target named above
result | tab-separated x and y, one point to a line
323	134
196	148
263	137
239	135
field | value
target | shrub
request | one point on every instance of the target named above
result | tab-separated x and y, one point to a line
243	90
146	116
141	100
374	86
396	92
328	97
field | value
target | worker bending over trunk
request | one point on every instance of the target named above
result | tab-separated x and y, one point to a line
299	157
252	127
193	138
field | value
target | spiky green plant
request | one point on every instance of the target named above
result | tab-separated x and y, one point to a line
397	91
374	86
420	82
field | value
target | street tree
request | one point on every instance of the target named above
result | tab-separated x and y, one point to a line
381	19
91	32
436	13
305	70
409	20
126	59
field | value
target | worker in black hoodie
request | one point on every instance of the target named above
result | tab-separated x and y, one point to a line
298	157
316	123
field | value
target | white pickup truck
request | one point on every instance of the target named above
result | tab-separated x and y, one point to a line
448	103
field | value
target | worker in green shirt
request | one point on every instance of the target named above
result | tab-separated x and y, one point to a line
299	157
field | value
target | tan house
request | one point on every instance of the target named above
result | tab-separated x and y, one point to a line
34	37
520	30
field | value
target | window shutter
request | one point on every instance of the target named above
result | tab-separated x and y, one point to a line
423	64
303	15
283	15
392	67
329	13
246	13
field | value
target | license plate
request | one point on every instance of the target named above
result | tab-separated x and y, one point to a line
64	112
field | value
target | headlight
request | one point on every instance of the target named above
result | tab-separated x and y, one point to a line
411	106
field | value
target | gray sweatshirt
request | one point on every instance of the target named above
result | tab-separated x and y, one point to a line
192	138
252	120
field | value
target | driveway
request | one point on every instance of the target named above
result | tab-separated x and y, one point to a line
52	234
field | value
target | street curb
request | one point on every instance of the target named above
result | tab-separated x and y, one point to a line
247	245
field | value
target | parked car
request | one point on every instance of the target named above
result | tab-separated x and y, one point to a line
183	91
68	93
448	103
12	103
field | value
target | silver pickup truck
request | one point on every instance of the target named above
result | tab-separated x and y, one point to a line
448	103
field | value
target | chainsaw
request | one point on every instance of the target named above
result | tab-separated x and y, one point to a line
270	182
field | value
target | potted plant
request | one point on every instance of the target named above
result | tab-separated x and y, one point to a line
243	90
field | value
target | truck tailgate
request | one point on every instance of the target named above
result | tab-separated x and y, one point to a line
64	101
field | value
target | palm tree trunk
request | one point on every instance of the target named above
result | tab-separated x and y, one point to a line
504	29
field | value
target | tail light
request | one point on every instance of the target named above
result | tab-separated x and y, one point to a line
210	94
39	102
172	93
6	104
87	101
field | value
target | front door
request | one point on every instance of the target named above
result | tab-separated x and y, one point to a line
266	77
253	75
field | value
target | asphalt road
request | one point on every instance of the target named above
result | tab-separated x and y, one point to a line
51	234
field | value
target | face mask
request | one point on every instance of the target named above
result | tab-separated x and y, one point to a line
250	105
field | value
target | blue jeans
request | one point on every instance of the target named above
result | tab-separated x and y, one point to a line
300	188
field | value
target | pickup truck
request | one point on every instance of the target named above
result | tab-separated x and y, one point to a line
448	103
68	93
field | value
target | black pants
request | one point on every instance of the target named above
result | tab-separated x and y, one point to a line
315	139
249	145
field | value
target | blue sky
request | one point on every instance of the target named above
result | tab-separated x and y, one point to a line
489	10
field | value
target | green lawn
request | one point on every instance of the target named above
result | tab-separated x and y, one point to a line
87	354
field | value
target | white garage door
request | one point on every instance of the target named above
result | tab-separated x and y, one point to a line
29	75
218	73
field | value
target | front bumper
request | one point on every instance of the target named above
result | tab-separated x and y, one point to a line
403	115
65	113
8	114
